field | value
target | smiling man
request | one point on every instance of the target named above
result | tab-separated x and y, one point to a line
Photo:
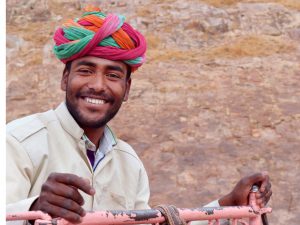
68	161
95	89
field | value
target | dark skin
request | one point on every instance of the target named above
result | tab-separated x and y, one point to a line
107	83
60	197
88	79
239	194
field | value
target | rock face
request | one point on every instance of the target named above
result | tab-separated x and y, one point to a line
218	98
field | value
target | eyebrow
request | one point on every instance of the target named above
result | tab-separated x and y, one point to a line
117	68
109	67
86	63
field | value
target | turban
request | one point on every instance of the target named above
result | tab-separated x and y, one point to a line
100	35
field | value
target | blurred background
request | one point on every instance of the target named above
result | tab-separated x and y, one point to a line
217	99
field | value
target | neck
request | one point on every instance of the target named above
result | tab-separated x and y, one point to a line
94	134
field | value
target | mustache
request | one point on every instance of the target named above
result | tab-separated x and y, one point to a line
92	93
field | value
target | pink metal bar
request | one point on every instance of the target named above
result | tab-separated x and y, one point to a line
153	216
120	217
217	222
30	215
234	221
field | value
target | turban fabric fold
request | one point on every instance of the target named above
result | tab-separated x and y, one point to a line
100	35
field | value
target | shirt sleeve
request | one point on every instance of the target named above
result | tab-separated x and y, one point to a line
143	191
19	172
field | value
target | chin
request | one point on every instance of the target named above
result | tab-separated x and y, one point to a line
90	121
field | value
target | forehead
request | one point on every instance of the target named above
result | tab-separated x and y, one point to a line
100	62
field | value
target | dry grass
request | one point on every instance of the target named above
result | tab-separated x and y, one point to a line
173	55
249	46
36	32
294	4
143	11
153	41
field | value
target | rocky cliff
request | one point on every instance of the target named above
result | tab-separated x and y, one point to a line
218	98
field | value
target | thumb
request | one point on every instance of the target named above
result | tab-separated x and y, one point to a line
255	179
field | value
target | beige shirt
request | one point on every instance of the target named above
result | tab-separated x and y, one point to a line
48	142
51	142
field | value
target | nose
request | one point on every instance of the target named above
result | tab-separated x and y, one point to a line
97	82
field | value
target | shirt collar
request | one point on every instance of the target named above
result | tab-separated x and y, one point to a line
67	121
107	142
70	125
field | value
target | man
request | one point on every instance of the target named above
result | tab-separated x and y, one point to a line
67	161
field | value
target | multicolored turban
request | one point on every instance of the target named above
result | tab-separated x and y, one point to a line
100	35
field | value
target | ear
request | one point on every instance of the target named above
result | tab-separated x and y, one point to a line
64	80
128	85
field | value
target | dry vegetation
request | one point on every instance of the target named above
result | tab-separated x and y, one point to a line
295	4
251	46
247	46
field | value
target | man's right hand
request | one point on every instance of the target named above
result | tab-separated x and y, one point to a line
60	197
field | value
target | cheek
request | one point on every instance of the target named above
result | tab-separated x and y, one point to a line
118	89
75	84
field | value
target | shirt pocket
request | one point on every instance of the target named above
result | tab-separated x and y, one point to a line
114	200
121	200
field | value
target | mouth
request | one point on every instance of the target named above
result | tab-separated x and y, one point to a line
95	101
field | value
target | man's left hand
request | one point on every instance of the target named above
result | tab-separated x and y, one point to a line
240	194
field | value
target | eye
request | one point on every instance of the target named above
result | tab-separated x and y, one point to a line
114	76
85	71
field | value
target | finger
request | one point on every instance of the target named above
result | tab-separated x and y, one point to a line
267	198
261	202
60	189
266	190
253	179
55	211
76	181
67	204
265	182
87	181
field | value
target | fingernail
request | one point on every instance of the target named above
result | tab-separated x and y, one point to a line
92	191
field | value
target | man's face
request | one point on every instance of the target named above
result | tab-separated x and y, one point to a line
95	89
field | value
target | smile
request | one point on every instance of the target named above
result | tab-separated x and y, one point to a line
94	101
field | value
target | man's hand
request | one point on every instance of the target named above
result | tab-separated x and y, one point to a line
240	194
60	197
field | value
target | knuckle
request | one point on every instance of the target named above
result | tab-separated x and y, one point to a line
68	178
46	187
244	181
75	195
81	211
72	217
69	204
52	176
72	193
44	207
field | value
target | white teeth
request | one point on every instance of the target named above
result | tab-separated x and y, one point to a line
94	101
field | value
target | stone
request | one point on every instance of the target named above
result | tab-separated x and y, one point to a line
218	97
